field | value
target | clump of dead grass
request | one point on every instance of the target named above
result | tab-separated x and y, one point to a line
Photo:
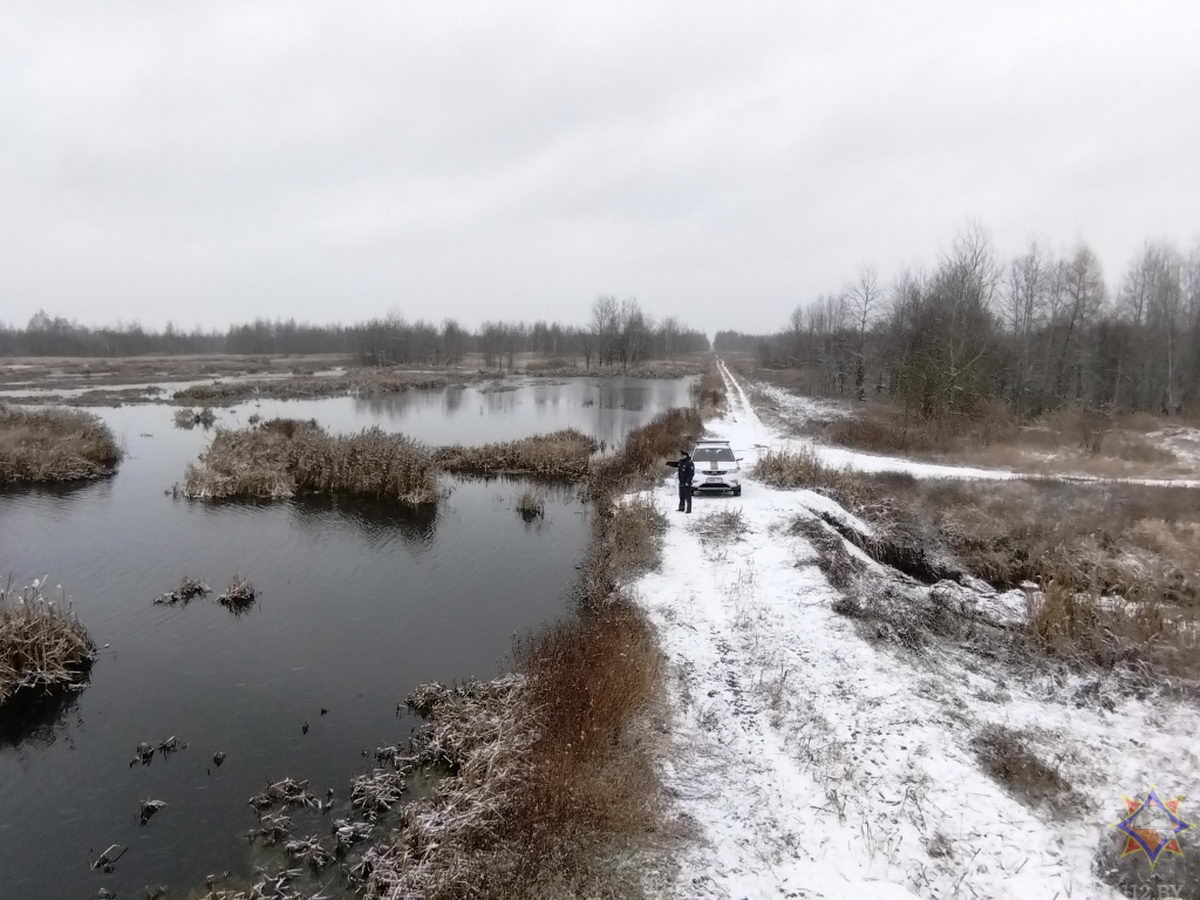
723	527
188	419
188	589
283	457
43	646
562	453
802	468
47	445
239	594
1006	755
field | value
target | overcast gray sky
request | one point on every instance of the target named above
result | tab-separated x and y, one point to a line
206	161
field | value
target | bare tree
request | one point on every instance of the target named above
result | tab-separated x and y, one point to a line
864	296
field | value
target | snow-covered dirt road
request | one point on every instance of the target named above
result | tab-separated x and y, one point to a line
813	763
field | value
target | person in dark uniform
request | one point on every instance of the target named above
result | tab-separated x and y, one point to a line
687	471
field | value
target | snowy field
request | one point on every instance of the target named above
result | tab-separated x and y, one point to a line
812	763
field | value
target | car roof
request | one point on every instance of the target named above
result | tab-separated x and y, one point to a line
698	443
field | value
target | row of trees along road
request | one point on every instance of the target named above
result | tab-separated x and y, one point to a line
617	334
1036	332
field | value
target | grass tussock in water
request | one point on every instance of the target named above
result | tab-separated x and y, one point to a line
564	452
239	593
43	646
189	418
531	504
54	445
283	457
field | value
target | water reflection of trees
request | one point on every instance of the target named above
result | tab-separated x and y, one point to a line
607	407
379	520
396	406
36	717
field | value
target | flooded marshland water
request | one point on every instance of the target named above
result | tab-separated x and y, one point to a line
360	602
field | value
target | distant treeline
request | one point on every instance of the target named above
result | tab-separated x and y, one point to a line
618	333
1035	333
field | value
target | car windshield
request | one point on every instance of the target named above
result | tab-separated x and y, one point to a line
713	454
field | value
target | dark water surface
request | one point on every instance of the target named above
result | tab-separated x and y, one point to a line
360	602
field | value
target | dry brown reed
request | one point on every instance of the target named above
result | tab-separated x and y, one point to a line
283	457
802	468
43	646
54	445
563	452
544	768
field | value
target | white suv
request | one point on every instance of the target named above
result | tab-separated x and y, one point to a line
717	469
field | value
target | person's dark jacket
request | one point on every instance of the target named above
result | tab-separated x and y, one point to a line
687	469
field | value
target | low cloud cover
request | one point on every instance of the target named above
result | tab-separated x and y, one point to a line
206	163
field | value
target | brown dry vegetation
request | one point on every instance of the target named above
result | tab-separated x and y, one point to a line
708	394
1116	566
74	371
42	645
563	452
54	445
359	382
284	456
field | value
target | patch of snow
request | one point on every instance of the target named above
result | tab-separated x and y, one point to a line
1183	441
802	410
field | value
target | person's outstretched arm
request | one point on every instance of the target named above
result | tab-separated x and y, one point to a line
673	465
